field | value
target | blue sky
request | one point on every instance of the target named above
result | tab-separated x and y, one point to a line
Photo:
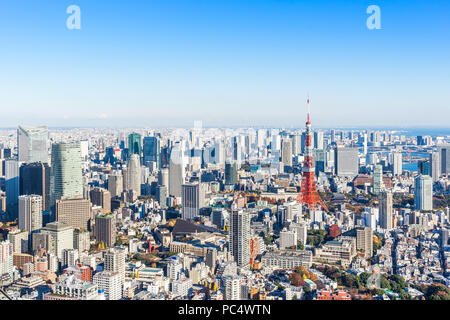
225	62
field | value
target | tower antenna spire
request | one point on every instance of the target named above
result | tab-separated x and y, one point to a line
309	109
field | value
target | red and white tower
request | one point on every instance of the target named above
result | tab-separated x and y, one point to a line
308	191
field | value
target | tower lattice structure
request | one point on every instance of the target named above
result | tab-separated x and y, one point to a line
308	191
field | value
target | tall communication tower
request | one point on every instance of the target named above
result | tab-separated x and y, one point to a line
308	191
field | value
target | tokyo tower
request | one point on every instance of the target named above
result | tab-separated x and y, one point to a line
308	191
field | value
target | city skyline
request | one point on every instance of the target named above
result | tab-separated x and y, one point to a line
225	63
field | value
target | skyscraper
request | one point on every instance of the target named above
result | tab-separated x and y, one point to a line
115	261
193	199
176	170
230	173
101	197
318	140
397	164
240	236
346	161
134	144
32	144
74	212
364	241
30	213
435	162
115	184
286	152
444	153
134	174
6	258
12	186
152	150
105	229
35	179
60	238
66	179
377	179
423	193
386	210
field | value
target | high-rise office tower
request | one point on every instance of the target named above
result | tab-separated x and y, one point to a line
240	236
364	143
286	152
296	144
318	140
20	240
423	193
66	179
231	173
105	229
161	196
436	167
134	174
386	211
444	154
134	144
12	186
32	144
377	179
397	163
364	241
60	238
346	161
30	213
193	199
34	178
115	184
176	170
74	212
115	261
101	197
163	178
152	150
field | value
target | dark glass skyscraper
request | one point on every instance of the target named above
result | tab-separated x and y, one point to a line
35	180
152	150
134	144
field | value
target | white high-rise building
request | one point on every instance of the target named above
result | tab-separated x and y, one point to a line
177	170
397	163
30	213
32	144
115	261
232	288
288	239
423	192
61	237
115	184
6	258
174	269
110	283
134	174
